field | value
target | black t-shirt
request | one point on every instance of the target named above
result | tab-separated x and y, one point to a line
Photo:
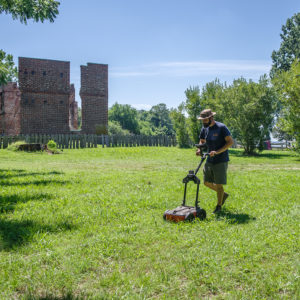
215	140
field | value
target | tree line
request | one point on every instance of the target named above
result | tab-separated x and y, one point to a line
252	110
246	107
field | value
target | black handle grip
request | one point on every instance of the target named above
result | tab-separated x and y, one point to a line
200	146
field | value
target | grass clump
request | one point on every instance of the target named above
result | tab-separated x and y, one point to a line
15	146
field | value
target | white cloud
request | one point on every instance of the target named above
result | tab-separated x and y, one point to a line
132	74
195	68
142	106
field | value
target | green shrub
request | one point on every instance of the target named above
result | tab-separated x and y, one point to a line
51	145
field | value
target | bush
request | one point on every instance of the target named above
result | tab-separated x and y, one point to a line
51	145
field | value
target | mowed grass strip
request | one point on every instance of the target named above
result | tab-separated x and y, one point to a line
88	224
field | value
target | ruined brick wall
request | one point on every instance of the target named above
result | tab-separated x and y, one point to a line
45	100
45	93
94	97
10	117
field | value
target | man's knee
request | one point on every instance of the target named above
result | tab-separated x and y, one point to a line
219	187
206	183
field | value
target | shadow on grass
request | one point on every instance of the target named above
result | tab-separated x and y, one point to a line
9	173
274	154
234	218
6	175
8	203
68	296
18	233
35	182
15	234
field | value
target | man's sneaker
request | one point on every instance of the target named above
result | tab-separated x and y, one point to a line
217	209
225	196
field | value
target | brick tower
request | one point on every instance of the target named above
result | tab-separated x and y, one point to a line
94	98
45	95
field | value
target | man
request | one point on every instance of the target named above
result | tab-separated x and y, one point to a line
218	139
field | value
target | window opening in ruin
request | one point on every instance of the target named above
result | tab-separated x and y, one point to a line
45	101
32	72
61	102
61	75
32	101
25	72
44	73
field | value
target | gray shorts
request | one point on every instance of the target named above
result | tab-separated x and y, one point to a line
215	173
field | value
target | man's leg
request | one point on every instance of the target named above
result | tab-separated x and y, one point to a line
210	185
217	173
217	188
220	193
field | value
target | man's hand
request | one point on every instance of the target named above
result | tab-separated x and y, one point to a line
199	150
213	153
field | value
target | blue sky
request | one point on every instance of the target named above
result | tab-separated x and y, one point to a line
156	49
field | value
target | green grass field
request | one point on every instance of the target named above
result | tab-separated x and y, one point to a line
88	224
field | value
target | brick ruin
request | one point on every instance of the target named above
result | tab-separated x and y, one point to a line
94	95
44	102
10	116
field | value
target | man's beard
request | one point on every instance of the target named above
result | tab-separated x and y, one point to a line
207	124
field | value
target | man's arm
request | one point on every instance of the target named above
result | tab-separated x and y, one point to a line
229	143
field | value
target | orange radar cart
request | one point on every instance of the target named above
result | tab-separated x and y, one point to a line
184	212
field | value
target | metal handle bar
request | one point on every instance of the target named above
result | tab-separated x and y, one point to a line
201	162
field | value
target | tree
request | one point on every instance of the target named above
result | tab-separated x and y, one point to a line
280	134
144	122
114	128
288	87
290	46
212	96
157	121
179	123
251	108
126	116
193	108
8	71
160	119
24	10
